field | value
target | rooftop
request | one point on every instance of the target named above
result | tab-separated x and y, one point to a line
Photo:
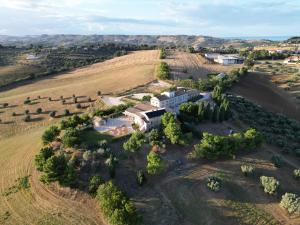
155	113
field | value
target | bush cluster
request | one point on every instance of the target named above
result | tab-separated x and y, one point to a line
277	129
116	207
291	202
247	170
296	173
162	53
214	146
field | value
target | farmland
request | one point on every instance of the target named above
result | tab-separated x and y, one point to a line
133	70
185	65
180	194
285	76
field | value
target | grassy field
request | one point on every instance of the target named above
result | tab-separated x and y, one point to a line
285	76
40	204
112	76
184	65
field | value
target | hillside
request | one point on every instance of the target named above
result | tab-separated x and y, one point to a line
159	40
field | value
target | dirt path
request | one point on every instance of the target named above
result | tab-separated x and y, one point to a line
256	87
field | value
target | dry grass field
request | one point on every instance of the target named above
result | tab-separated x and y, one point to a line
40	204
285	76
184	65
112	76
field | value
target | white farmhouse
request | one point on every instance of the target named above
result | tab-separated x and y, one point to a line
171	99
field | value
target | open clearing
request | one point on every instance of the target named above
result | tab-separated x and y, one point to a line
112	76
257	88
183	65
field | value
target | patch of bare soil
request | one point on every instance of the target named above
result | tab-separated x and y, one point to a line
257	88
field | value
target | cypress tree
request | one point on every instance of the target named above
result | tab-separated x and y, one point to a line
215	115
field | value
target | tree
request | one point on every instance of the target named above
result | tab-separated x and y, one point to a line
54	168
214	184
215	114
140	177
155	163
201	112
71	137
253	138
163	72
167	118
135	142
270	184
111	163
117	208
94	183
173	132
50	134
296	173
40	159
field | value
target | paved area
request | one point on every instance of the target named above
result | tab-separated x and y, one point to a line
112	101
112	124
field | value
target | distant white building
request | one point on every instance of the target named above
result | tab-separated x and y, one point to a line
32	57
145	116
227	59
171	99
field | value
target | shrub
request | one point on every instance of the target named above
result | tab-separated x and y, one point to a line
78	106
296	173
27	118
213	183
66	112
63	101
270	184
247	170
94	183
140	177
50	134
39	110
277	161
27	101
146	98
5	105
26	111
14	114
155	163
50	99
116	207
98	93
52	114
87	155
291	202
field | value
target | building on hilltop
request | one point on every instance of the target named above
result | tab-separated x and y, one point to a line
171	99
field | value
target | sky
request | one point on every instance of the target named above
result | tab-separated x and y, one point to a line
220	18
